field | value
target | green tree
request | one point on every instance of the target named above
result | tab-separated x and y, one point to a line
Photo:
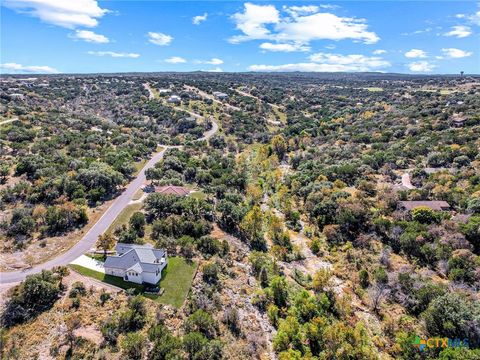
36	294
252	228
452	315
105	242
279	288
137	223
133	346
279	146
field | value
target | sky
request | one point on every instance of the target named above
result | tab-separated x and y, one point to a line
90	36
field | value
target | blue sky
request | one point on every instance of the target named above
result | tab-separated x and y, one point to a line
86	36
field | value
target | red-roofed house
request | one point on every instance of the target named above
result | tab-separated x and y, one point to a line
172	190
434	205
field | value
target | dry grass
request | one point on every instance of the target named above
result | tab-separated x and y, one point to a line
40	251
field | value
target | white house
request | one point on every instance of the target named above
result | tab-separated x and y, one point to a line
164	91
174	99
220	95
137	263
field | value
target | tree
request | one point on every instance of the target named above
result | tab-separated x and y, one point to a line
202	322
379	289
321	279
105	242
424	215
453	315
364	278
36	294
210	273
252	228
165	345
137	223
133	346
4	172
61	272
280	291
230	318
279	146
134	317
72	323
193	343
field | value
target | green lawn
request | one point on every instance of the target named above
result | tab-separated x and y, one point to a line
109	279
176	281
124	216
200	195
138	194
139	166
373	89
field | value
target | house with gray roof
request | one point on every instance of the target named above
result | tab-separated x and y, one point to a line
137	263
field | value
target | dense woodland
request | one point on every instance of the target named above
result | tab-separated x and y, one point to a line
304	251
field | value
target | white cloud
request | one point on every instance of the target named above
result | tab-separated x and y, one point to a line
300	10
158	38
23	69
285	47
301	24
90	36
253	20
196	20
427	30
212	61
416	53
323	62
217	69
114	54
379	52
459	31
473	18
453	53
175	60
421	66
66	13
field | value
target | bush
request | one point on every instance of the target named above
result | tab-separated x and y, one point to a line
424	215
133	346
78	289
36	294
453	315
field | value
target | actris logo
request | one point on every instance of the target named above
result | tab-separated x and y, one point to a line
420	343
439	342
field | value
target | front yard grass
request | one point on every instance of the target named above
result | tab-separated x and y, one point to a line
124	216
108	279
176	281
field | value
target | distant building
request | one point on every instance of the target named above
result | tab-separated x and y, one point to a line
174	99
430	170
220	95
16	96
164	91
434	205
172	190
137	263
458	120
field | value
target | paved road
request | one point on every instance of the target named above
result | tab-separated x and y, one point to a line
90	238
8	121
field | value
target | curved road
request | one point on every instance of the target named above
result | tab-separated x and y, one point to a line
90	238
9	120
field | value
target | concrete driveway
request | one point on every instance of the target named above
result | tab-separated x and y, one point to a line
89	263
